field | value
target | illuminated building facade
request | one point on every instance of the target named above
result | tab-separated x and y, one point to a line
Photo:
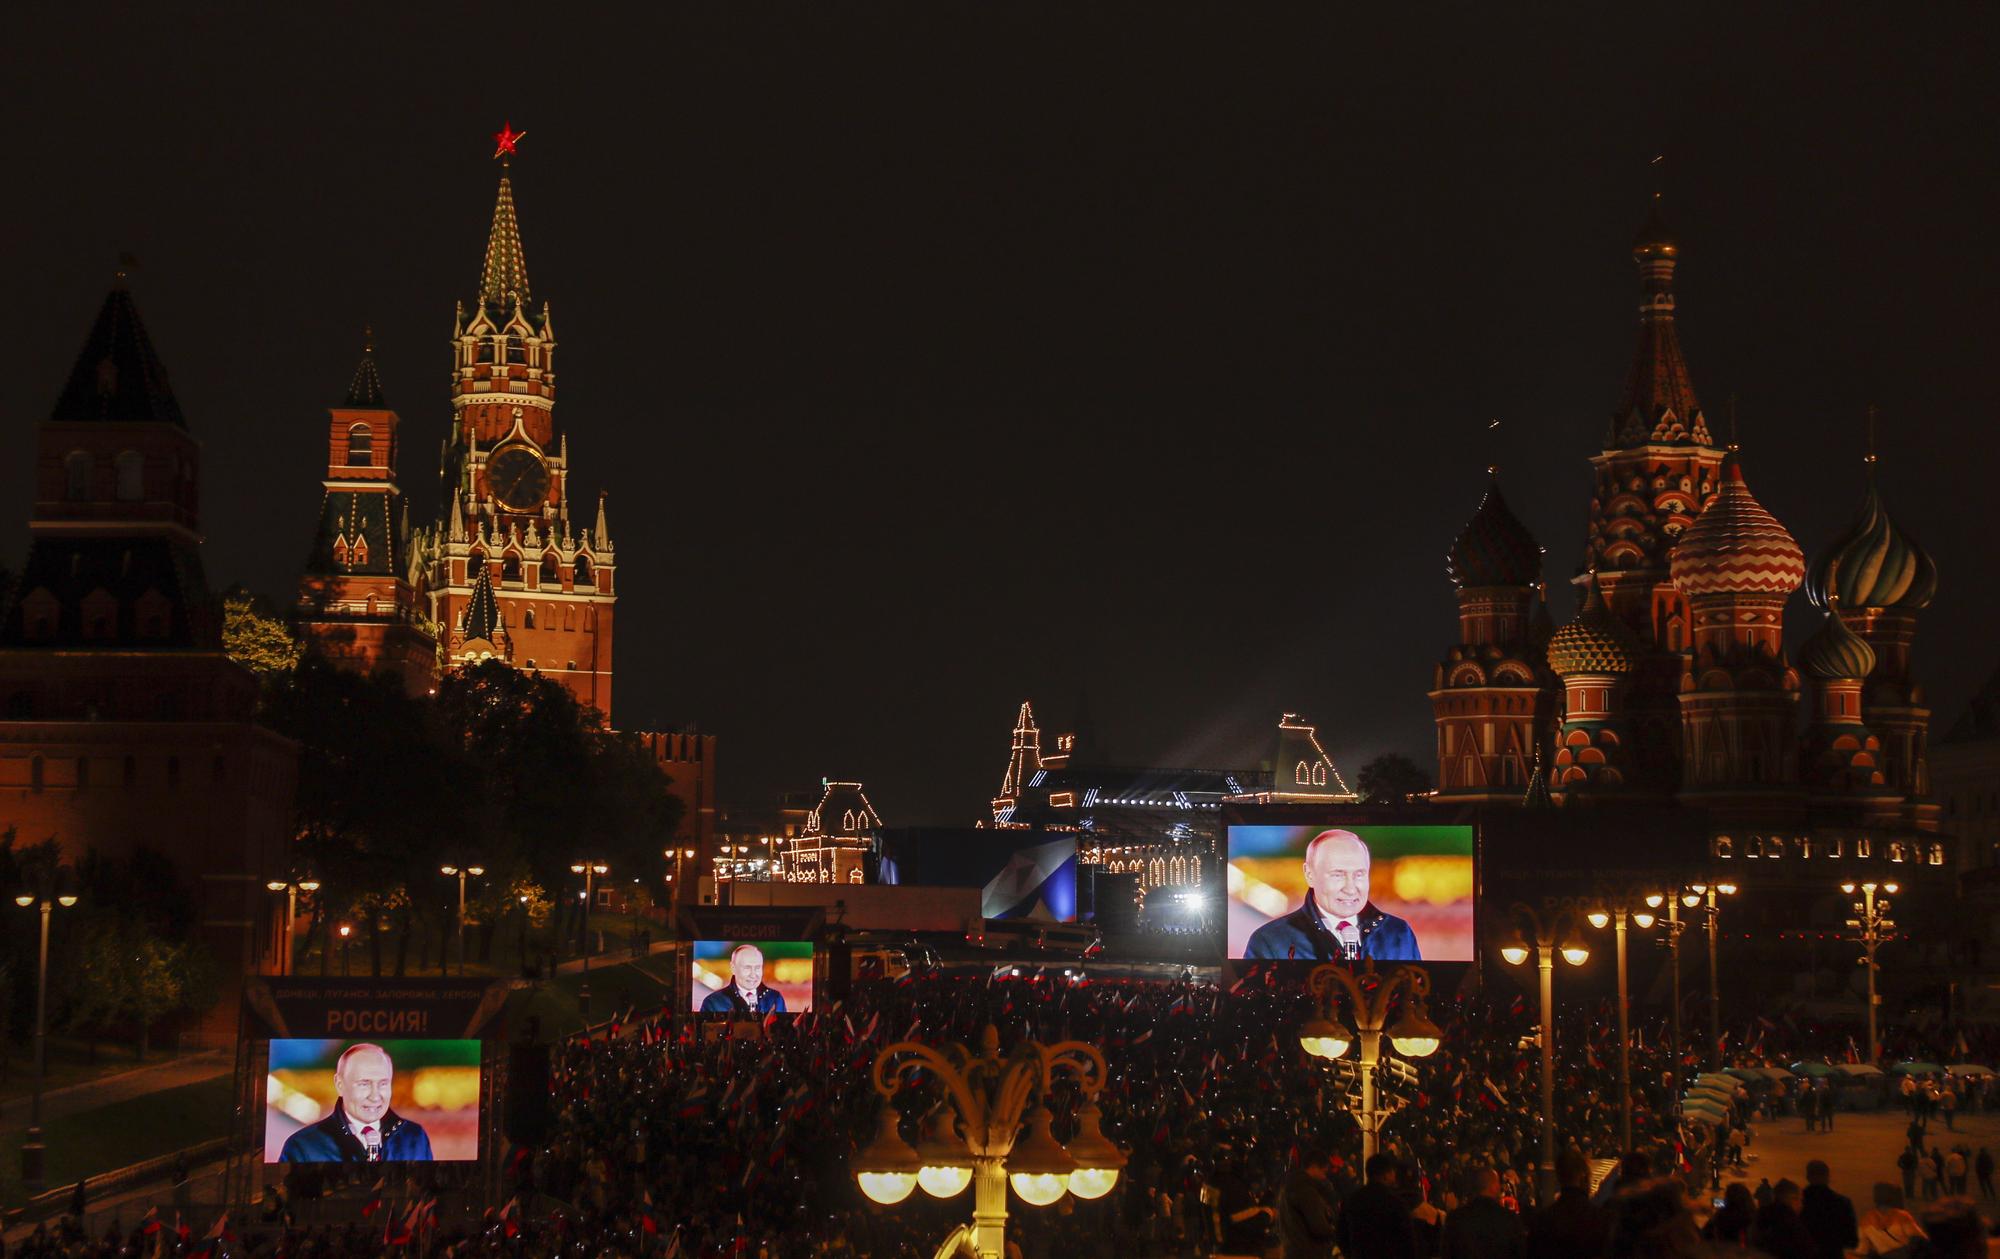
838	839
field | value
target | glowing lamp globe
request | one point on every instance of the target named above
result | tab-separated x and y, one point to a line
887	1169
1575	953
1038	1167
947	1165
1415	1036
1642	920
1514	954
1098	1161
1599	919
1323	1038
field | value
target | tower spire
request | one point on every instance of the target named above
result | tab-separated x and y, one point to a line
1659	405
365	390
505	280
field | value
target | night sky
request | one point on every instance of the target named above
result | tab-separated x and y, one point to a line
937	356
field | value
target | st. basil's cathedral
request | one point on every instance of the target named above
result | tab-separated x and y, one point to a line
1668	712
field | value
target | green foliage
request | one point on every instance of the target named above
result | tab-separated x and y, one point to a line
254	637
1391	778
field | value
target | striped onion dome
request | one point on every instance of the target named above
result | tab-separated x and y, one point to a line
1595	642
1735	546
1837	653
1873	565
1495	548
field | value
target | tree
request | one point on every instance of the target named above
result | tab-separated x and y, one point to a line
1392	778
255	637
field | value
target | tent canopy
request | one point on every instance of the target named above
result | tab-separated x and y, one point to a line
1917	1068
1852	1069
1969	1068
1813	1069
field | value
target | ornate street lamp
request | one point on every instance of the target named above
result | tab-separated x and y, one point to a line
54	889
291	888
1556	935
1616	911
1873	927
461	872
589	870
991	1098
1324	1036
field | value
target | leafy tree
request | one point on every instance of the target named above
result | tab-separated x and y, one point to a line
1392	778
256	637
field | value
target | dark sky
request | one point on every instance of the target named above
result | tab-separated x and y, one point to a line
938	356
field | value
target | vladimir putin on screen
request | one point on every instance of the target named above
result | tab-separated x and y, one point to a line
362	1128
746	993
1337	922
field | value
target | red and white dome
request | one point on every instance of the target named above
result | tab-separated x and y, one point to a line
1737	547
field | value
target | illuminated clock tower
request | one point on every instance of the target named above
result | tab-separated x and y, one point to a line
508	525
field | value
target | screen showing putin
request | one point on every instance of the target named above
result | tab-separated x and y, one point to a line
751	979
1350	893
372	1101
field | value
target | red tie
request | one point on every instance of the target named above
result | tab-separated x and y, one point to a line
1344	925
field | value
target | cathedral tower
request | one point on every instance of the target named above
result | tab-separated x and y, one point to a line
1593	655
359	602
1491	695
1655	474
1880	579
1736	566
548	574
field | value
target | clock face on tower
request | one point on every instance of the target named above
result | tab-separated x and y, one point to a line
517	477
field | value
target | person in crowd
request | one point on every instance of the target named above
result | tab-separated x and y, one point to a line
1956	1168
1952	1230
1481	1228
1778	1231
1571	1227
1730	1225
1653	1221
1308	1209
1828	1215
1887	1229
1375	1222
1982	1167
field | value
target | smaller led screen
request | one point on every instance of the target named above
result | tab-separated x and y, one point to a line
379	1101
1334	893
752	978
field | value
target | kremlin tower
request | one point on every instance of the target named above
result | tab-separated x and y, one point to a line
359	602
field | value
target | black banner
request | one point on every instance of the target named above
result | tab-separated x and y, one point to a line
752	922
412	1009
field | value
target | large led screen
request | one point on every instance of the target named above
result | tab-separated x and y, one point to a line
753	977
1332	893
372	1101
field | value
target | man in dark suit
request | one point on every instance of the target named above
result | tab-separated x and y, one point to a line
1481	1228
1306	1211
1337	921
1827	1215
1375	1221
1778	1232
746	993
361	1128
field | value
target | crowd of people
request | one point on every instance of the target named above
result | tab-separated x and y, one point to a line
697	1138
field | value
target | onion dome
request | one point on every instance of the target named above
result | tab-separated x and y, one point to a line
1495	548
1837	653
1735	546
1655	239
1596	641
1873	565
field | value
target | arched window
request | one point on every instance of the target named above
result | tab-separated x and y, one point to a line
582	571
510	567
473	565
76	472
528	622
360	446
1300	775
551	570
131	476
1319	775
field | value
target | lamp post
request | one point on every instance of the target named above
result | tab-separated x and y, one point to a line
991	1097
346	932
1873	928
589	870
1414	1035
291	888
54	891
1557	934
461	872
1695	897
1616	912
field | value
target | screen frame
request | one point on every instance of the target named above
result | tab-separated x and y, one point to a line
1234	813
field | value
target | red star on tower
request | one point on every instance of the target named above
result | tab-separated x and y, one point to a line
507	138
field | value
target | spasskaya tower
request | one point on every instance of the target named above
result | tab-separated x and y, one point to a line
513	573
